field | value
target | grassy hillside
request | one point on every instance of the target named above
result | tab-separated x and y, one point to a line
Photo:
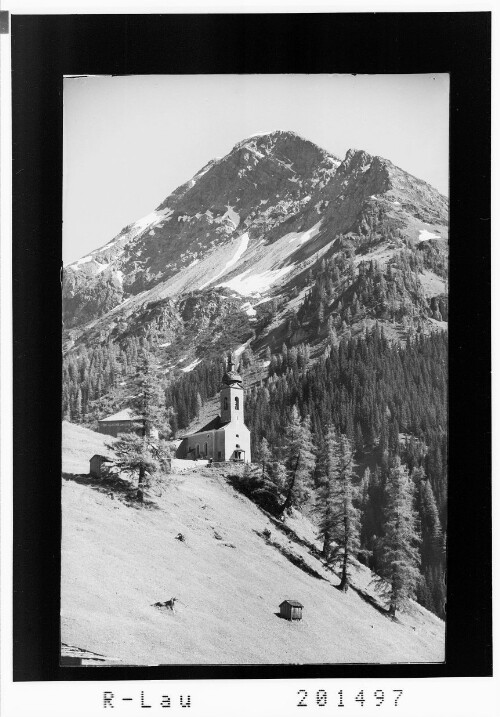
118	560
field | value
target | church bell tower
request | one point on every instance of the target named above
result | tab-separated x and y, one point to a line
231	396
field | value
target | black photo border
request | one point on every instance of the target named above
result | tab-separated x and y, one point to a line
44	48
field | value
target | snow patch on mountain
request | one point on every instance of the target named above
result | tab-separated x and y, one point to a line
83	260
205	169
233	216
237	352
248	309
262	134
101	268
191	366
425	235
254	150
239	252
152	218
302	237
256	284
130	232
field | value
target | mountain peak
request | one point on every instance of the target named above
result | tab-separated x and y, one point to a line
282	141
274	189
357	157
272	134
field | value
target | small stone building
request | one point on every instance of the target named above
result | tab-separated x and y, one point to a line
126	421
291	609
226	438
97	463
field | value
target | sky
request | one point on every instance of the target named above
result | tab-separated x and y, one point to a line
130	141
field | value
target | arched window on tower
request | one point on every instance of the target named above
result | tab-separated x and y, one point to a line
225	403
237	403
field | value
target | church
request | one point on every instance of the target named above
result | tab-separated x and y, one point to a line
225	438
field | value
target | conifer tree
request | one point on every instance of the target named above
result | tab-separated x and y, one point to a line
148	399
139	456
432	534
265	485
339	516
149	403
299	460
77	410
265	454
400	558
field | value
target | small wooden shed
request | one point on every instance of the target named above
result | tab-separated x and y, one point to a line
97	462
291	609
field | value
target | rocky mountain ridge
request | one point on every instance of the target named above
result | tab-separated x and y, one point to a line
248	226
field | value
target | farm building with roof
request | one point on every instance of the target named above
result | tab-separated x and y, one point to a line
125	421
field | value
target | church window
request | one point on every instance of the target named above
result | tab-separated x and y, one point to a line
225	403
236	403
206	448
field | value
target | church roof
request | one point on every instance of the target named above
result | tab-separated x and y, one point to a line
126	415
214	425
231	377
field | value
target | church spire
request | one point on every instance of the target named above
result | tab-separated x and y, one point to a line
231	376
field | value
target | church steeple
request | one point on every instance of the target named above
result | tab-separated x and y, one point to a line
231	395
231	377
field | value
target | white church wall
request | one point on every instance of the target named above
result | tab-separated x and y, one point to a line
237	439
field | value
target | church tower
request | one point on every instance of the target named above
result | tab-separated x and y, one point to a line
225	438
231	396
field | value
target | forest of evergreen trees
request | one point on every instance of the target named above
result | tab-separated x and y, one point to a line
387	401
391	404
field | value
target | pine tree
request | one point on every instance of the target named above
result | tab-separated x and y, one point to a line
400	558
77	410
269	486
148	398
265	454
432	534
339	517
149	403
299	460
139	456
265	486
